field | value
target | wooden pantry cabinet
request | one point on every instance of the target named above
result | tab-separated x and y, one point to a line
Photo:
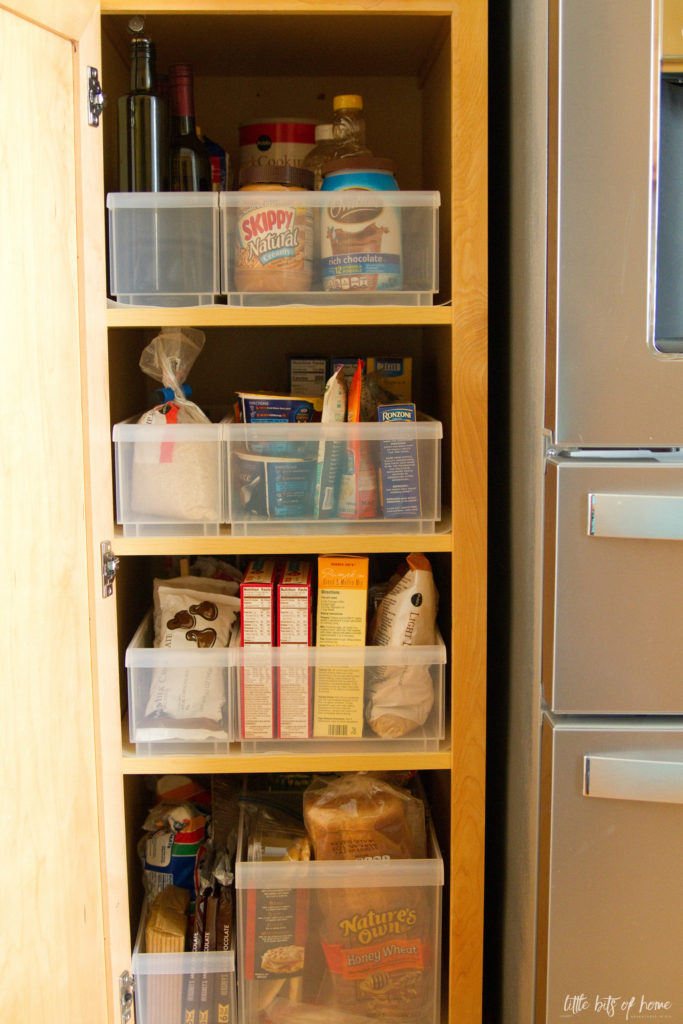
78	794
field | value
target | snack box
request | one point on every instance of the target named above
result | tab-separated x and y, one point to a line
272	470
164	248
171	986
179	701
169	478
338	924
328	666
336	278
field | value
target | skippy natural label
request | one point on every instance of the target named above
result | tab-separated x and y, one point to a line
274	248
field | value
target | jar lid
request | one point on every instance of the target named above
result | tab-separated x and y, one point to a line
347	101
279	174
360	163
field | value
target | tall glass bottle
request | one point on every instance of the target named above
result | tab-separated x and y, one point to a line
348	125
143	126
190	164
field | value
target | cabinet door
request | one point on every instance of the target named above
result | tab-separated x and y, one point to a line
52	948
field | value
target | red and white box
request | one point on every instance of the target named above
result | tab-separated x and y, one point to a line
257	594
258	598
294	629
295	603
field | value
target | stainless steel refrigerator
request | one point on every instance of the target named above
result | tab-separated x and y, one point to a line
593	905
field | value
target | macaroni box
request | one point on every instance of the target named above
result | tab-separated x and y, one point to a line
399	471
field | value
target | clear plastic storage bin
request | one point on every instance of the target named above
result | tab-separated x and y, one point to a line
179	701
359	940
170	986
274	469
350	247
319	699
169	478
164	248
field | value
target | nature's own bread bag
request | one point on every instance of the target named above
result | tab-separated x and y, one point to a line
378	941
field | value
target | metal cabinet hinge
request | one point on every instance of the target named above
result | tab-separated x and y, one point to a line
126	990
110	564
96	98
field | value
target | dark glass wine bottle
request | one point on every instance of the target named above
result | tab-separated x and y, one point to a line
190	164
143	126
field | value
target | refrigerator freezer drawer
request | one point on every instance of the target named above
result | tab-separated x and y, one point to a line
611	886
615	324
613	587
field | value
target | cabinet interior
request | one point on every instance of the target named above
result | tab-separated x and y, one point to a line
401	65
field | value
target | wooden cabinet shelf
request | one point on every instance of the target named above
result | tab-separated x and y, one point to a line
281	316
238	762
280	544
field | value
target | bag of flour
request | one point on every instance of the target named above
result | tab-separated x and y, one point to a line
399	699
176	475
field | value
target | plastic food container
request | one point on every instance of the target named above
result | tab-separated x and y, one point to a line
173	986
272	469
169	478
288	697
179	701
164	248
346	281
341	924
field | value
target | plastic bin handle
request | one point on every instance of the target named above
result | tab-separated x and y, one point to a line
620	777
642	516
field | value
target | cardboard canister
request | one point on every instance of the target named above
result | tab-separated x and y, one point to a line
275	141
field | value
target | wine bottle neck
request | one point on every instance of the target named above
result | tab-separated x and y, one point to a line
182	99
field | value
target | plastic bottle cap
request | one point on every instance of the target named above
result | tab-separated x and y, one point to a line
324	131
281	174
347	101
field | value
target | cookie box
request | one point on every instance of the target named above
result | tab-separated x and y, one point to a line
350	247
357	941
308	478
176	987
324	699
179	701
164	248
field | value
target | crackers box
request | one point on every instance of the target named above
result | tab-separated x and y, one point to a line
341	622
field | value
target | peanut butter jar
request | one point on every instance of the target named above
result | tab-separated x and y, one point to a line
274	236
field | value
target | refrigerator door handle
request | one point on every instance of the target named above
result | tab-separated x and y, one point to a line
642	516
621	777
